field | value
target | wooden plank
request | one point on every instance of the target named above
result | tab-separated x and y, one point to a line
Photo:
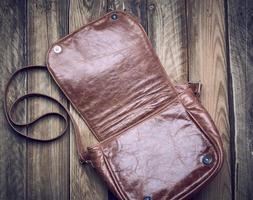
12	56
240	28
167	32
207	63
84	182
47	163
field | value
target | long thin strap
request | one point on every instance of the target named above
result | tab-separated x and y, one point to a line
14	125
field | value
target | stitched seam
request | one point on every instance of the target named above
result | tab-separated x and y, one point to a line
215	168
200	126
116	182
154	113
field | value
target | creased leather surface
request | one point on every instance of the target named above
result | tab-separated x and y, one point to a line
152	135
161	156
113	81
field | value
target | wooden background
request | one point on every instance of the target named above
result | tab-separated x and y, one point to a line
207	40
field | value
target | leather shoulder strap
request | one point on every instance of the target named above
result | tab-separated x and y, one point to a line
14	124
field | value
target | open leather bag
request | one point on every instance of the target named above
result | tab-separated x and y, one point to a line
156	141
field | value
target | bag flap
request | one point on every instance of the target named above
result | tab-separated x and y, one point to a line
110	73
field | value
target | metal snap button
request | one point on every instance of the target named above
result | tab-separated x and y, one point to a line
147	198
207	159
114	16
57	49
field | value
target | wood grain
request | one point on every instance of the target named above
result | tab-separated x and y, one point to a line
240	37
207	63
12	147
167	32
84	182
47	163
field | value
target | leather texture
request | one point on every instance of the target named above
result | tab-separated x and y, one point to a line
153	136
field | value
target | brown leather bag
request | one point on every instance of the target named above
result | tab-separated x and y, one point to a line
156	141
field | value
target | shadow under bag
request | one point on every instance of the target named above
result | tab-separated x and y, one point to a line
156	141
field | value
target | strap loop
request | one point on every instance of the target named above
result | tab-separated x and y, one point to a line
13	124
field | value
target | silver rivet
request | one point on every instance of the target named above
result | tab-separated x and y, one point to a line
114	16
57	49
207	159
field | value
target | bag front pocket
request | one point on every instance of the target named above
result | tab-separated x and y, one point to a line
166	156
